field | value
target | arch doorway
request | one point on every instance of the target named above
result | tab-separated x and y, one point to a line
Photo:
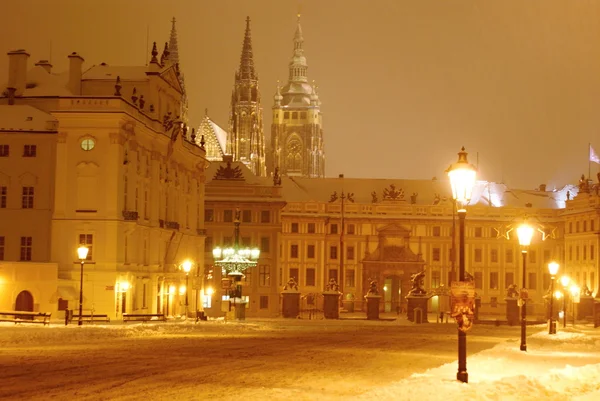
24	302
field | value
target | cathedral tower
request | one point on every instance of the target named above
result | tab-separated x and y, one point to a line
296	132
246	139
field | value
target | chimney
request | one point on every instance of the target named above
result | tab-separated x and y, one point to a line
45	64
11	96
542	187
75	64
17	70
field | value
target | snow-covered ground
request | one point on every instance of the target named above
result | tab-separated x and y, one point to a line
294	359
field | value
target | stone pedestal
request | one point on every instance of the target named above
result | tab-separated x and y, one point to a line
331	304
512	311
417	308
290	304
240	310
373	306
585	307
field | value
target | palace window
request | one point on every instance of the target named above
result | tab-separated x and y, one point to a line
532	257
264	302
478	255
310	251
311	228
350	253
437	231
26	247
508	255
265	244
246	216
592	256
350	229
209	215
493	280
87	240
478	232
333	252
584	225
333	229
435	278
3	195
547	255
264	276
478	276
294	251
436	254
208	244
2	244
310	277
4	150
294	274
294	227
265	216
27	198
228	216
349	278
532	281
333	274
584	252
592	225
494	256
29	150
509	279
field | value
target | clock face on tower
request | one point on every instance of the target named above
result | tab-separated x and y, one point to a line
88	144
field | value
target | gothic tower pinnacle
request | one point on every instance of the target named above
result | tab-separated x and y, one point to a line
246	141
173	59
297	129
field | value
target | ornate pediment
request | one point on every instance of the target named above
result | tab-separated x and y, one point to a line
228	173
170	76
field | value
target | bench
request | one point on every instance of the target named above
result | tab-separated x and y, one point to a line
200	315
25	317
143	317
90	318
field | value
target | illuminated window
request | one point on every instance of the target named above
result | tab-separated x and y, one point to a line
88	144
26	247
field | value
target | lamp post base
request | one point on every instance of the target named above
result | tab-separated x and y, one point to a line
462	377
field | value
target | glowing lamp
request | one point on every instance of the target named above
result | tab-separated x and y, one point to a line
210	291
82	252
558	295
462	178
186	266
564	280
525	233
553	268
574	289
254	253
217	253
124	286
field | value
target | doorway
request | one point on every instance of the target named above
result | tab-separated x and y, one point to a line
24	302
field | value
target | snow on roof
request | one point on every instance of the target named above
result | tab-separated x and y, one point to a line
26	118
41	83
108	72
220	133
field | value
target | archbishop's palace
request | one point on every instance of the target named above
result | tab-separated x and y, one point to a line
102	155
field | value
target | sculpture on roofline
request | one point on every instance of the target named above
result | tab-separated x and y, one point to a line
332	285
291	284
373	289
511	291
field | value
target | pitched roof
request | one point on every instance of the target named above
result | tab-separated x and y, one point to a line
26	118
109	72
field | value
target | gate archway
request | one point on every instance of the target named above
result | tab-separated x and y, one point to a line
24	302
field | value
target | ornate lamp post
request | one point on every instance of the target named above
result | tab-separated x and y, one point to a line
234	261
574	289
564	280
525	233
82	253
553	269
186	266
462	179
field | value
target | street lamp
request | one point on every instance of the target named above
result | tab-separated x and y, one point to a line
553	269
462	179
525	233
186	266
564	280
82	253
234	261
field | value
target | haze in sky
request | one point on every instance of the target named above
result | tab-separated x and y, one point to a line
403	84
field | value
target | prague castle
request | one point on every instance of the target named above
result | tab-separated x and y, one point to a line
102	156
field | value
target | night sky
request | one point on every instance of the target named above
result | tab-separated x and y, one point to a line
403	84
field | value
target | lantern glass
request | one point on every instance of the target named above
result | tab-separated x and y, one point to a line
217	253
553	268
525	233
82	252
462	177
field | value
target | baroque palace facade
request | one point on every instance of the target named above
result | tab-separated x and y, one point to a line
102	156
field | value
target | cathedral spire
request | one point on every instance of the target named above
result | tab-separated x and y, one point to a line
247	61
173	47
298	66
